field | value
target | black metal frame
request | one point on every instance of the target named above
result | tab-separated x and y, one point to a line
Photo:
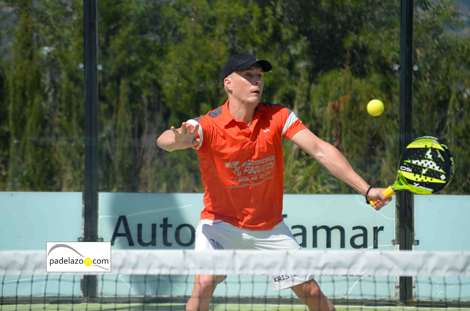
404	207
90	195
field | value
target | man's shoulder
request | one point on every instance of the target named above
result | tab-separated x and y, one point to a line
273	108
210	115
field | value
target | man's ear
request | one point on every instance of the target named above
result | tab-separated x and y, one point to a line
228	85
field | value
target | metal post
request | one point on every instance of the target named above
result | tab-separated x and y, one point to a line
405	209
90	196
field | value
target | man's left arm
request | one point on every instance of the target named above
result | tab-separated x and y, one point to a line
334	161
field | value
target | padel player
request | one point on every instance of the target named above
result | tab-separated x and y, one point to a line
239	146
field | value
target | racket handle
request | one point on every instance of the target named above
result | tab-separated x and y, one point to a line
387	192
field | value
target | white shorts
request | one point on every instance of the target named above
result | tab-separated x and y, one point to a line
217	234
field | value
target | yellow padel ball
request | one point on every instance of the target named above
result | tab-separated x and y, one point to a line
375	107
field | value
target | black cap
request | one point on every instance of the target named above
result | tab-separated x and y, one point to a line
243	61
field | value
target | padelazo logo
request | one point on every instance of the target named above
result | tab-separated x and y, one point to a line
78	257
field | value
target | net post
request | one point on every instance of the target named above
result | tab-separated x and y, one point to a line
90	195
404	208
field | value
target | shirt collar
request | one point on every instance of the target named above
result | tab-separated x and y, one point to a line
227	117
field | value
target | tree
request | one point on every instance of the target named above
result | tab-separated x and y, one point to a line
161	66
44	105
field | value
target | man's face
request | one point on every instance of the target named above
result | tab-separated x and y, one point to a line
247	85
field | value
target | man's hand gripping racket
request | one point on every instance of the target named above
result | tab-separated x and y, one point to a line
426	166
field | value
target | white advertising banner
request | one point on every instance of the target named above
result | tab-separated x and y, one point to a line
168	221
92	257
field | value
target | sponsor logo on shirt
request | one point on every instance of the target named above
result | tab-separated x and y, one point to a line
252	170
251	167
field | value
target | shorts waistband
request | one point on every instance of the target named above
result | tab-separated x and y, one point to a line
210	221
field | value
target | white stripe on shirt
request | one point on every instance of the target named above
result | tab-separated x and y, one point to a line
292	118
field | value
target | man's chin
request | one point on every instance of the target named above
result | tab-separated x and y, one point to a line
254	100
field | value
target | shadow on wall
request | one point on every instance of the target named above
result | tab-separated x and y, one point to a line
148	221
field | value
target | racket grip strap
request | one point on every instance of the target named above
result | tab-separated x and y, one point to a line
367	193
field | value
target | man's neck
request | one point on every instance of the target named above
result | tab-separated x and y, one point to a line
242	111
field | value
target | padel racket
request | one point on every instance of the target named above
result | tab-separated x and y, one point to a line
426	166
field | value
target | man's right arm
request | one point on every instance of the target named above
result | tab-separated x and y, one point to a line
176	139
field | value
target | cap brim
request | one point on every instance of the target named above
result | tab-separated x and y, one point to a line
265	65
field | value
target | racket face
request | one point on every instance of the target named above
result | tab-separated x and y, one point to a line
425	167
